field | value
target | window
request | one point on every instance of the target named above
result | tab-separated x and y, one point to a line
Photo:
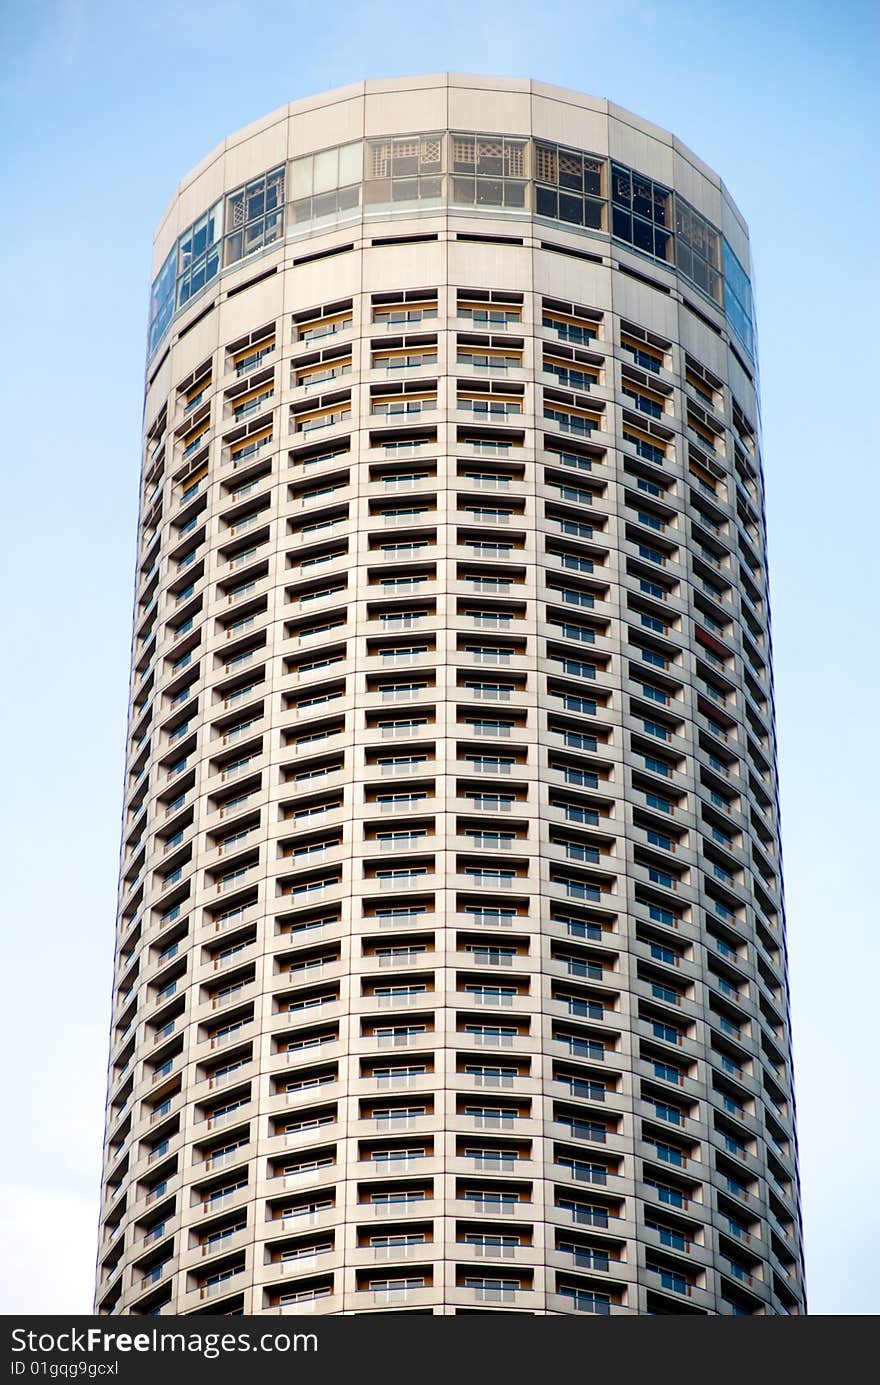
572	379
488	170
250	404
667	1071
587	1301
698	249
581	633
403	169
391	992
576	563
670	1279
491	995
670	1154
491	954
569	186
671	1197
487	360
644	447
491	1034
401	915
326	185
162	300
406	1195
198	255
670	994
665	1112
574	597
578	704
641	212
484	914
569	419
401	1032
254	216
667	1032
646	404
494	840
738	300
403	404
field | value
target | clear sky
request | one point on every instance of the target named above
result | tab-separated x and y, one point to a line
104	104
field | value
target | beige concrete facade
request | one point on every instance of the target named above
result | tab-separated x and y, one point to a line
451	969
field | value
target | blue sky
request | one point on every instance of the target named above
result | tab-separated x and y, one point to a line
103	107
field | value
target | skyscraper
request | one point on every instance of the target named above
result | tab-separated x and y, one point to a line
451	963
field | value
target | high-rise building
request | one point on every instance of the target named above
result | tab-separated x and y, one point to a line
451	962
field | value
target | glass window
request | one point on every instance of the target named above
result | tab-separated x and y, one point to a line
484	170
641	212
403	154
494	156
254	216
325	170
405	168
577	177
162	301
489	170
698	249
738	300
198	254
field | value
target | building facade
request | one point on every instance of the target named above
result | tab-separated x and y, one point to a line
451	962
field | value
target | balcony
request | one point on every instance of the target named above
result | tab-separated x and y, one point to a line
400	999
244	454
398	1250
249	363
393	1294
401	1080
401	1038
402	841
193	447
404	804
577	1302
491	1293
396	767
491	958
223	1158
219	1286
402	957
488	692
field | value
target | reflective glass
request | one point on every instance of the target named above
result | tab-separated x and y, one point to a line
621	224
642	235
248	226
256	199
662	205
571	171
351	160
162	301
301	176
642	212
326	167
641	197
490	192
593	214
621	186
571	209
547	202
697	249
662	244
738	300
485	170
